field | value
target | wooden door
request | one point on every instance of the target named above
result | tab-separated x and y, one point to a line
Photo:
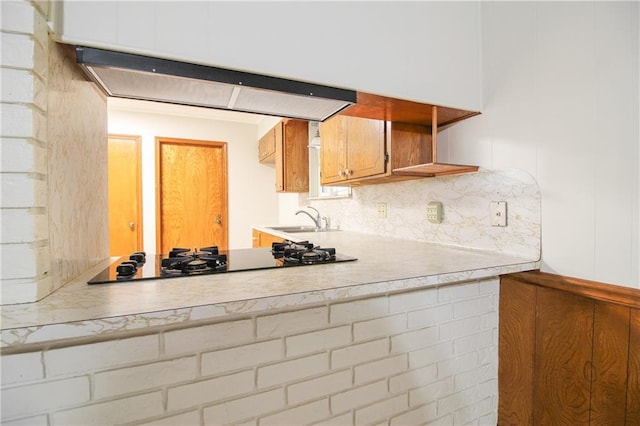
192	201
125	194
333	150
365	147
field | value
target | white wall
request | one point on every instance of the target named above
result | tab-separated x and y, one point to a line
424	51
561	90
252	196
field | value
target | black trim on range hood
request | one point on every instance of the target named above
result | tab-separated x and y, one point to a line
127	75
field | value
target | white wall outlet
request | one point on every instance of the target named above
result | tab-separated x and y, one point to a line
434	212
382	210
498	213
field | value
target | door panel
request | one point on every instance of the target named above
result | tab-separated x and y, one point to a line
332	149
192	194
125	195
633	373
562	371
610	359
366	156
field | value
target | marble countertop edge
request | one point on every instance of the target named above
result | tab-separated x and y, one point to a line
78	310
33	334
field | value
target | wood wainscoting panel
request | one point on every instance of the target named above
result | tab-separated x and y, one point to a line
562	370
633	382
584	351
516	354
610	356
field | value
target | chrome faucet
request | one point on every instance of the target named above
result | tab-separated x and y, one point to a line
316	220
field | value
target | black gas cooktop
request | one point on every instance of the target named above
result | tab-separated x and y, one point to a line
183	262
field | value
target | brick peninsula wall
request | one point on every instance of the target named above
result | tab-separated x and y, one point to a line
423	356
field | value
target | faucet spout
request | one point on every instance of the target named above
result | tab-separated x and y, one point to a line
316	220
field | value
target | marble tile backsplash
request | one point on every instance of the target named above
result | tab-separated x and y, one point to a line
465	199
77	175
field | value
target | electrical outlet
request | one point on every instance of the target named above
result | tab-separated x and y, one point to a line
498	213
434	212
382	210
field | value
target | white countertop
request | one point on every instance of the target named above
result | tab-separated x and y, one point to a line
384	265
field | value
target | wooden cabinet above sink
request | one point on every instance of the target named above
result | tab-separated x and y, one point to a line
358	150
286	145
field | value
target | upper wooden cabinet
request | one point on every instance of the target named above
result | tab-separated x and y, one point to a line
351	148
267	147
357	150
287	145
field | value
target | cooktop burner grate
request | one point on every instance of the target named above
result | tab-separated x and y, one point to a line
182	262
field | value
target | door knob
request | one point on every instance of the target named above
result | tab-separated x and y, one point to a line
132	225
219	219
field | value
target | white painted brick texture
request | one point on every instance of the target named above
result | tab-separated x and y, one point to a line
208	337
241	357
143	377
399	359
43	396
206	391
23	130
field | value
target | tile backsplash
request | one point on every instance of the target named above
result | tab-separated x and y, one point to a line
77	174
465	199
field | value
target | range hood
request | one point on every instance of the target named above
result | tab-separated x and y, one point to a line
127	75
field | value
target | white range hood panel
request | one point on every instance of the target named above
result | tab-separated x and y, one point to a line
162	88
153	79
286	105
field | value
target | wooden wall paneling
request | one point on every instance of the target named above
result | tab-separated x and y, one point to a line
619	295
610	356
516	353
633	381
562	368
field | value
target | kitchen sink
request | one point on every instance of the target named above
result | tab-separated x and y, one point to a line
298	228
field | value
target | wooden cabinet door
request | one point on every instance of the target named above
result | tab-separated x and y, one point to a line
569	352
365	147
267	147
562	369
263	239
279	154
292	156
633	373
333	150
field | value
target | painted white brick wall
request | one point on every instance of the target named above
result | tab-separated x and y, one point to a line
356	362
47	147
23	170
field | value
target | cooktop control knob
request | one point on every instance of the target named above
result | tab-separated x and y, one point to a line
138	257
126	269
